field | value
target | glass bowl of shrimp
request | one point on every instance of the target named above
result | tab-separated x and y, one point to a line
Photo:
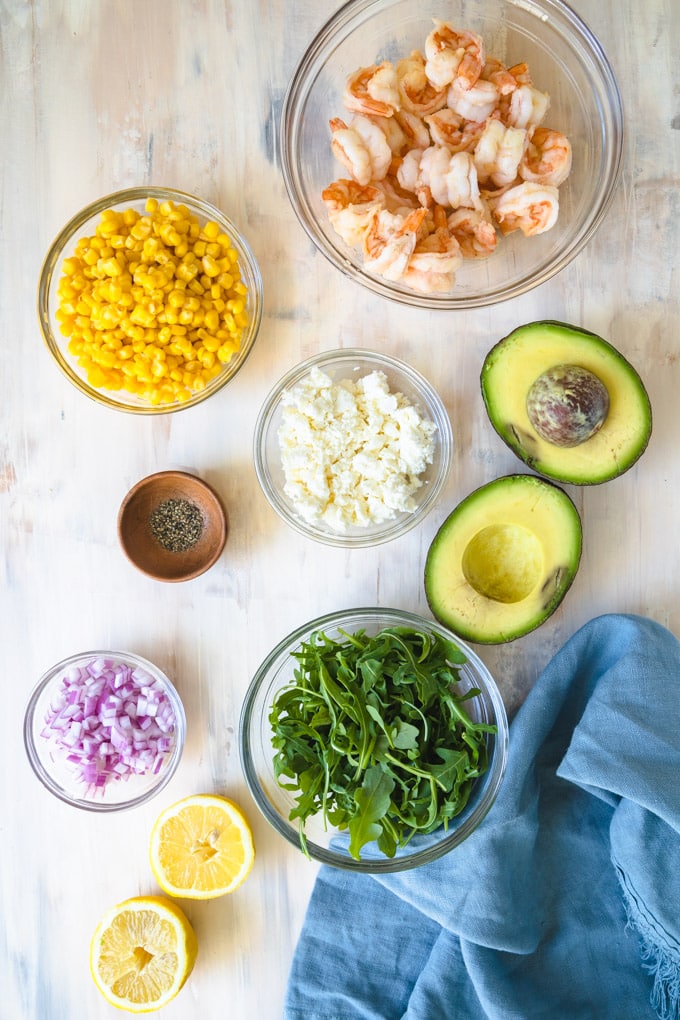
454	156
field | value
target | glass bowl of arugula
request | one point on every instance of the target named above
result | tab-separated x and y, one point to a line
373	739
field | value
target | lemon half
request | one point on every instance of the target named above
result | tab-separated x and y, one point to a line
201	847
141	953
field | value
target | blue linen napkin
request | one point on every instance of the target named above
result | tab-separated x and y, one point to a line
565	903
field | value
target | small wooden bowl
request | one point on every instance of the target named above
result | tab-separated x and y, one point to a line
147	551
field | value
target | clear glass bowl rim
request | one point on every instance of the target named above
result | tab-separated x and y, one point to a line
391	529
172	763
492	779
555	11
51	265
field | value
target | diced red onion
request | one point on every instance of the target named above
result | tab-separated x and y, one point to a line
111	720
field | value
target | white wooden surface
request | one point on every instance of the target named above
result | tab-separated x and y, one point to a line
96	95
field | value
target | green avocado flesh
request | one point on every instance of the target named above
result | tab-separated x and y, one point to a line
503	560
512	368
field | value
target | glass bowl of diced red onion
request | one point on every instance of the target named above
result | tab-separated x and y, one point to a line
104	730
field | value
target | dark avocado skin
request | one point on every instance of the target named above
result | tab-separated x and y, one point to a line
525	445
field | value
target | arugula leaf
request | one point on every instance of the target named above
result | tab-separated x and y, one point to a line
372	733
373	801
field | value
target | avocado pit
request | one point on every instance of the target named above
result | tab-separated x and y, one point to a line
567	405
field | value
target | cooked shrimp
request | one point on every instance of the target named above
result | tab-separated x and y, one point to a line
408	172
531	208
499	75
510	152
474	232
415	129
436	257
462	185
486	150
520	72
417	93
527	107
439	252
395	135
475	103
498	153
434	165
447	179
453	55
361	147
445	153
390	240
547	159
448	128
428	282
396	198
373	90
351	208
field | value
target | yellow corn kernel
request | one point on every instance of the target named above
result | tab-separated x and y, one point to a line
141	229
211	230
169	235
150	248
186	272
211	343
110	225
96	377
212	320
225	353
207	358
109	267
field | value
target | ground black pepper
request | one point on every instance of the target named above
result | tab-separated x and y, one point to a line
176	524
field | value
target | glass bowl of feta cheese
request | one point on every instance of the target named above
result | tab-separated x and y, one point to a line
352	447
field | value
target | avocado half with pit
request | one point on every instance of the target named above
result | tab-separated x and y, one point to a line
503	559
566	402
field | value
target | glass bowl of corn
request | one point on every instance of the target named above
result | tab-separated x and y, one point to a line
150	300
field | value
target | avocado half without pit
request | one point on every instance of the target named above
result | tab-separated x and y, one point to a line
504	559
566	402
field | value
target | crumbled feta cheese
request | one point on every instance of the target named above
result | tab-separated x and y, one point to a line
352	452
